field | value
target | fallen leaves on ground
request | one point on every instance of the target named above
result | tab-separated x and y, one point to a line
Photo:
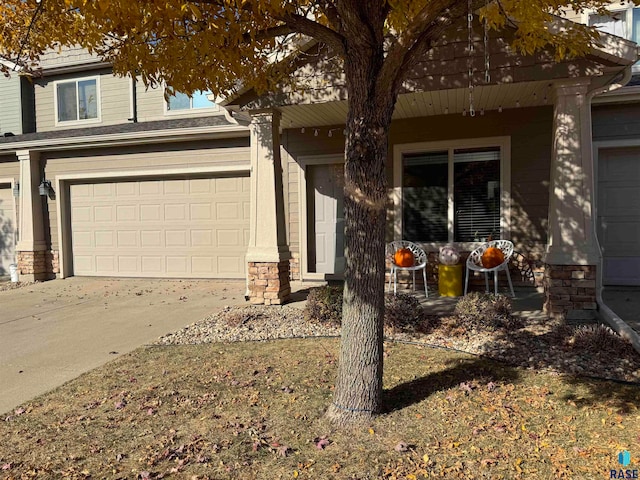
255	411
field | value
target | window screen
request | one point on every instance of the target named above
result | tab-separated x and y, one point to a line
476	194
424	194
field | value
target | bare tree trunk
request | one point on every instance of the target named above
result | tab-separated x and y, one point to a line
358	388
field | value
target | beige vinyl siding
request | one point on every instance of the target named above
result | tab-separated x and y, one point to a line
150	103
115	100
9	167
233	152
10	108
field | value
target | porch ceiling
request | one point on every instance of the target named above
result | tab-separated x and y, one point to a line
424	104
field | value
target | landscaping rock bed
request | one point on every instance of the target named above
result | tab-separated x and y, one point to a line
540	344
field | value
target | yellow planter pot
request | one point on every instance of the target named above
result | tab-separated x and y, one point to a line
450	280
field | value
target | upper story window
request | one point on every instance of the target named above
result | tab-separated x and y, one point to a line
77	100
182	102
623	21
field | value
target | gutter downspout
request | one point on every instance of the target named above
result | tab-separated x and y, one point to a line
134	100
604	313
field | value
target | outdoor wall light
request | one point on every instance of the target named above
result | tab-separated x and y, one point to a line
16	189
45	188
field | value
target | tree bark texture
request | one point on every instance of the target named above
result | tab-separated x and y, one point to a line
358	390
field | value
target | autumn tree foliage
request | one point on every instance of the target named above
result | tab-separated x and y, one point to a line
220	45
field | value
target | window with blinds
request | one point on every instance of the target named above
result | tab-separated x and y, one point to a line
475	192
476	195
424	193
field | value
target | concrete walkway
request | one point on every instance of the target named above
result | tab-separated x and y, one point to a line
625	302
52	332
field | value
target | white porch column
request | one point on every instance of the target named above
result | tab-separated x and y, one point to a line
267	255
572	254
31	248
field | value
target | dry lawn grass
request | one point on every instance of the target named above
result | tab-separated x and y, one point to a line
254	410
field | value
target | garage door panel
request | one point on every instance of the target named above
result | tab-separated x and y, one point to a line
151	238
104	238
7	229
128	264
167	228
618	218
174	187
127	213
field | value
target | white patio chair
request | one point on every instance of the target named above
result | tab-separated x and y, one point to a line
474	263
419	263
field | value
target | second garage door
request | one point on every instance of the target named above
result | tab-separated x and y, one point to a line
619	214
175	228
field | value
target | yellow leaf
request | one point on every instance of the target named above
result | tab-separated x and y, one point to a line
371	432
295	474
425	458
524	428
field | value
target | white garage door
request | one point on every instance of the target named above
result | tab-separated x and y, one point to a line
178	228
619	214
7	229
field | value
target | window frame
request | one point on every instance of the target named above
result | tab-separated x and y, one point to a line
187	111
78	121
617	7
399	150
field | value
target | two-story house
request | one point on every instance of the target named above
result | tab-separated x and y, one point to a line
118	181
135	185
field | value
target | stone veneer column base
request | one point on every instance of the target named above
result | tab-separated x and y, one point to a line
294	266
269	282
38	265
569	288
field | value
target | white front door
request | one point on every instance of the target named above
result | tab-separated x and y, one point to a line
619	214
326	221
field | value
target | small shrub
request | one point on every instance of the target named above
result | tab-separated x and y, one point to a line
324	305
403	313
485	311
597	338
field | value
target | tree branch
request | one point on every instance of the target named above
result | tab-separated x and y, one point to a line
416	40
313	29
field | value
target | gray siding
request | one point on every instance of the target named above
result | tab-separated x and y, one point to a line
616	121
10	108
152	159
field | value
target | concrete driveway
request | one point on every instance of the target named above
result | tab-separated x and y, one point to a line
53	331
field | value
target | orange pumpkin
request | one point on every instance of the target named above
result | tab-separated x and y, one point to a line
492	257
404	257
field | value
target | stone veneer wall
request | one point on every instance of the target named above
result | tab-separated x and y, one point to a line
294	266
569	287
42	264
269	282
